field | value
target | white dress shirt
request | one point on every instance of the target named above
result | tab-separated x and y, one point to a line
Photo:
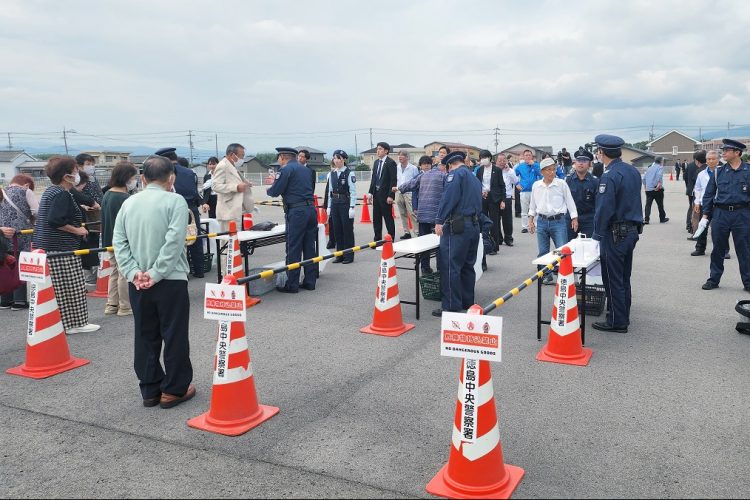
701	183
405	174
510	179
487	178
552	199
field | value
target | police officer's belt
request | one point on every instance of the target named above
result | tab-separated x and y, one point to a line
307	203
472	218
551	217
627	224
731	208
340	195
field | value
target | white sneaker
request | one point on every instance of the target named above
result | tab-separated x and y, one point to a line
83	329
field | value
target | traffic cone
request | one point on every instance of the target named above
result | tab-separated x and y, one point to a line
387	319
47	350
408	222
235	265
234	406
670	176
247	222
476	469
102	277
365	219
321	216
564	344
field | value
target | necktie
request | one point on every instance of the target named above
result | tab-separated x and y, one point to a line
377	174
334	179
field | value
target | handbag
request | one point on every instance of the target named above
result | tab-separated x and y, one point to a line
192	229
9	279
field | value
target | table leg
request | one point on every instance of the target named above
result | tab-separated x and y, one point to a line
539	310
218	261
416	271
583	306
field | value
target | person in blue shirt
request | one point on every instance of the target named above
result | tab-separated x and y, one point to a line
653	182
457	224
726	202
583	187
342	198
293	185
528	173
618	220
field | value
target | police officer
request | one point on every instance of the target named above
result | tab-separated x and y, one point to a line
293	185
618	221
583	187
186	185
342	198
457	224
726	203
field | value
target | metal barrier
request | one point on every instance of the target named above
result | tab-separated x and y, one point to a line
83	224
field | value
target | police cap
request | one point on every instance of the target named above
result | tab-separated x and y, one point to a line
341	153
165	151
732	144
583	155
606	141
287	151
454	156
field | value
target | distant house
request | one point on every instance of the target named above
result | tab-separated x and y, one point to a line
639	158
517	150
673	146
107	159
414	153
253	165
137	160
432	148
717	144
12	163
317	159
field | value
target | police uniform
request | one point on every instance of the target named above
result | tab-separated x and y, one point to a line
584	195
726	202
342	198
458	212
293	185
618	220
186	185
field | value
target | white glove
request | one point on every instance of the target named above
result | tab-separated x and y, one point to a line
702	225
328	212
351	213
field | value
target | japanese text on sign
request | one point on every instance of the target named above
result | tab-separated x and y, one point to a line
469	389
32	266
222	349
562	303
224	302
471	336
383	289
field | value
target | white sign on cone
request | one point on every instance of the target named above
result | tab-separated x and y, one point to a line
224	302
471	336
31	266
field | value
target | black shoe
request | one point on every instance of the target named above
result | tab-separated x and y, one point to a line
494	252
347	261
645	222
5	306
605	327
338	260
518	216
709	285
199	275
666	219
509	243
548	280
19	306
437	313
747	288
427	271
151	402
484	267
307	287
284	289
331	245
698	252
690	238
727	256
526	230
406	236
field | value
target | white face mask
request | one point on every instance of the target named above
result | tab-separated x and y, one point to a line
239	161
132	183
89	169
77	179
484	162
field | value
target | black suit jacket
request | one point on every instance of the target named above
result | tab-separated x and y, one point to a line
388	178
690	176
497	184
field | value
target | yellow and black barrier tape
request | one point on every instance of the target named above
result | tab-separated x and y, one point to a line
526	283
83	224
308	262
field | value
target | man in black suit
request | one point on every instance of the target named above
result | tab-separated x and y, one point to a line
493	194
381	191
690	175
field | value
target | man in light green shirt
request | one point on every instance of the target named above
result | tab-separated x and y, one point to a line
149	244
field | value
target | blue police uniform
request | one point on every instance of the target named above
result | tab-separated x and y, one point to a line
584	195
342	197
727	202
618	220
458	212
293	185
186	185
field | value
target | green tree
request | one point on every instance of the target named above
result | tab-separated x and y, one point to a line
266	158
44	156
640	145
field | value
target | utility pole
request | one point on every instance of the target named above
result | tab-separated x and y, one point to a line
216	142
65	138
190	135
356	148
651	133
497	141
10	144
371	146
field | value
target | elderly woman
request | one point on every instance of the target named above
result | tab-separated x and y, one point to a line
58	229
17	212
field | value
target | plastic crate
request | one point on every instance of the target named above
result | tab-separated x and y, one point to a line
430	284
594	298
208	261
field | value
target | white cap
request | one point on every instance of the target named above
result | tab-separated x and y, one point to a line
547	162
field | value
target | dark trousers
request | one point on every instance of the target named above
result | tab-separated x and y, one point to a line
424	259
196	249
517	203
381	210
737	223
677	171
702	241
617	266
301	234
585	225
689	218
458	254
343	227
161	314
492	210
505	233
657	196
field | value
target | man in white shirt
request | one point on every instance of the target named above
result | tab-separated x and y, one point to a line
712	161
550	202
405	172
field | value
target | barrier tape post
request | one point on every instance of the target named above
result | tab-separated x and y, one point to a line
234	262
102	277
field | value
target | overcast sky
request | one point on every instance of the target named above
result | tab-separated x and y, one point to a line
263	73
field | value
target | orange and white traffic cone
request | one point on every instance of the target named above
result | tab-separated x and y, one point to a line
564	344
671	178
47	350
102	277
387	318
319	211
235	266
234	406
247	222
476	467
365	218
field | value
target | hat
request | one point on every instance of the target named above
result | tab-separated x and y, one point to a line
606	141
341	153
547	162
732	144
485	154
165	151
456	155
584	156
286	150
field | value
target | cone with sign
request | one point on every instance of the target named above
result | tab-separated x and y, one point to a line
102	277
234	261
47	350
476	467
387	319
234	406
565	344
365	218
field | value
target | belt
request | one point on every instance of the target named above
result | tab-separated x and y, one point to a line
551	217
339	195
627	223
731	208
307	203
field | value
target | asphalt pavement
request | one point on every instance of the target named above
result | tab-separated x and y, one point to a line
659	411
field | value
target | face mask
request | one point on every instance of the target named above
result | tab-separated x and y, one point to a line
239	161
77	179
484	162
131	185
89	169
